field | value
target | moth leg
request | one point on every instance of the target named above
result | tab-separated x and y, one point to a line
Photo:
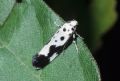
75	42
79	36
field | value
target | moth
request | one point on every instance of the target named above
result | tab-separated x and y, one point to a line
64	36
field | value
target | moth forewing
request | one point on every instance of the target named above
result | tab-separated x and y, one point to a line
64	36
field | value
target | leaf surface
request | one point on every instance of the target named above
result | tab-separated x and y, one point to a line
5	9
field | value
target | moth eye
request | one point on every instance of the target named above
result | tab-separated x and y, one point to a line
64	29
62	38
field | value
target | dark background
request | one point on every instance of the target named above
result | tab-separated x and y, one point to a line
107	56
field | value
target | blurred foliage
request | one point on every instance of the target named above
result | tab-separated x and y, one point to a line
104	16
95	17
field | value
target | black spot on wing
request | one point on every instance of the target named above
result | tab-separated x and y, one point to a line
62	38
55	40
40	61
72	29
54	49
59	49
64	29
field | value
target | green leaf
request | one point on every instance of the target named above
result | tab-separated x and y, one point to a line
5	9
29	26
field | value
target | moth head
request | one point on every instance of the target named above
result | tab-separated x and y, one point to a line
73	23
69	27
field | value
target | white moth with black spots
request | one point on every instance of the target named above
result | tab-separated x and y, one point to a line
59	42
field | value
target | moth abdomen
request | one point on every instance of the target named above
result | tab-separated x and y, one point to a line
40	61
